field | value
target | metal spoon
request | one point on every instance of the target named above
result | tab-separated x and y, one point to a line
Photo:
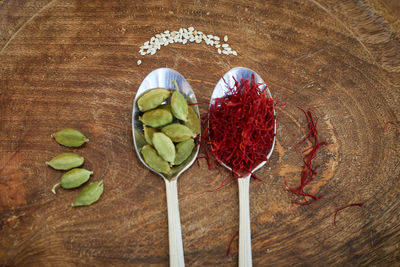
162	78
221	89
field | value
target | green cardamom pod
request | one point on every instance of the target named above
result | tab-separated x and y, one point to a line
183	151
65	161
152	99
152	159
156	117
177	132
148	134
179	105
73	179
166	107
70	137
89	194
193	121
164	146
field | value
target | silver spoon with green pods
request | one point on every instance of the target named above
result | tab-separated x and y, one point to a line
166	78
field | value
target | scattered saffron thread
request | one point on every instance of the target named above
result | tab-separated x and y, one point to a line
223	184
345	207
308	170
256	177
228	251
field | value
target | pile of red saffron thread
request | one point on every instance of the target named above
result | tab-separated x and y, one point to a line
308	170
241	127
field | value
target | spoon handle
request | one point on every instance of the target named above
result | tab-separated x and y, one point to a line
245	258
174	225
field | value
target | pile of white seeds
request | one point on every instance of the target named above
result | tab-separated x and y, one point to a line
184	36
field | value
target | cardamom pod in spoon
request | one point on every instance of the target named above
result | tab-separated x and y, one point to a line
163	78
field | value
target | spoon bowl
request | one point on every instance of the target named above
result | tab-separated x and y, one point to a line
221	89
162	78
228	81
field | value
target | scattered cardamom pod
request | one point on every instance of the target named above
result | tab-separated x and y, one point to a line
164	147
148	134
65	161
89	194
73	179
152	159
183	151
177	132
179	105
70	137
193	121
152	99
156	117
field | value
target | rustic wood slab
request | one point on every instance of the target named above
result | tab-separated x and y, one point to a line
73	64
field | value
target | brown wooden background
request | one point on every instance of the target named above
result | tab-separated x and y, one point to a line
73	64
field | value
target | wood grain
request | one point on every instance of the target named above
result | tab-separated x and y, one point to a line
73	64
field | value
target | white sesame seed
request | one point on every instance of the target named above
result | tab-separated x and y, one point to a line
184	36
139	62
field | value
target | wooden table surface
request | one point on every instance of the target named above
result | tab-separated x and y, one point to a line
73	64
